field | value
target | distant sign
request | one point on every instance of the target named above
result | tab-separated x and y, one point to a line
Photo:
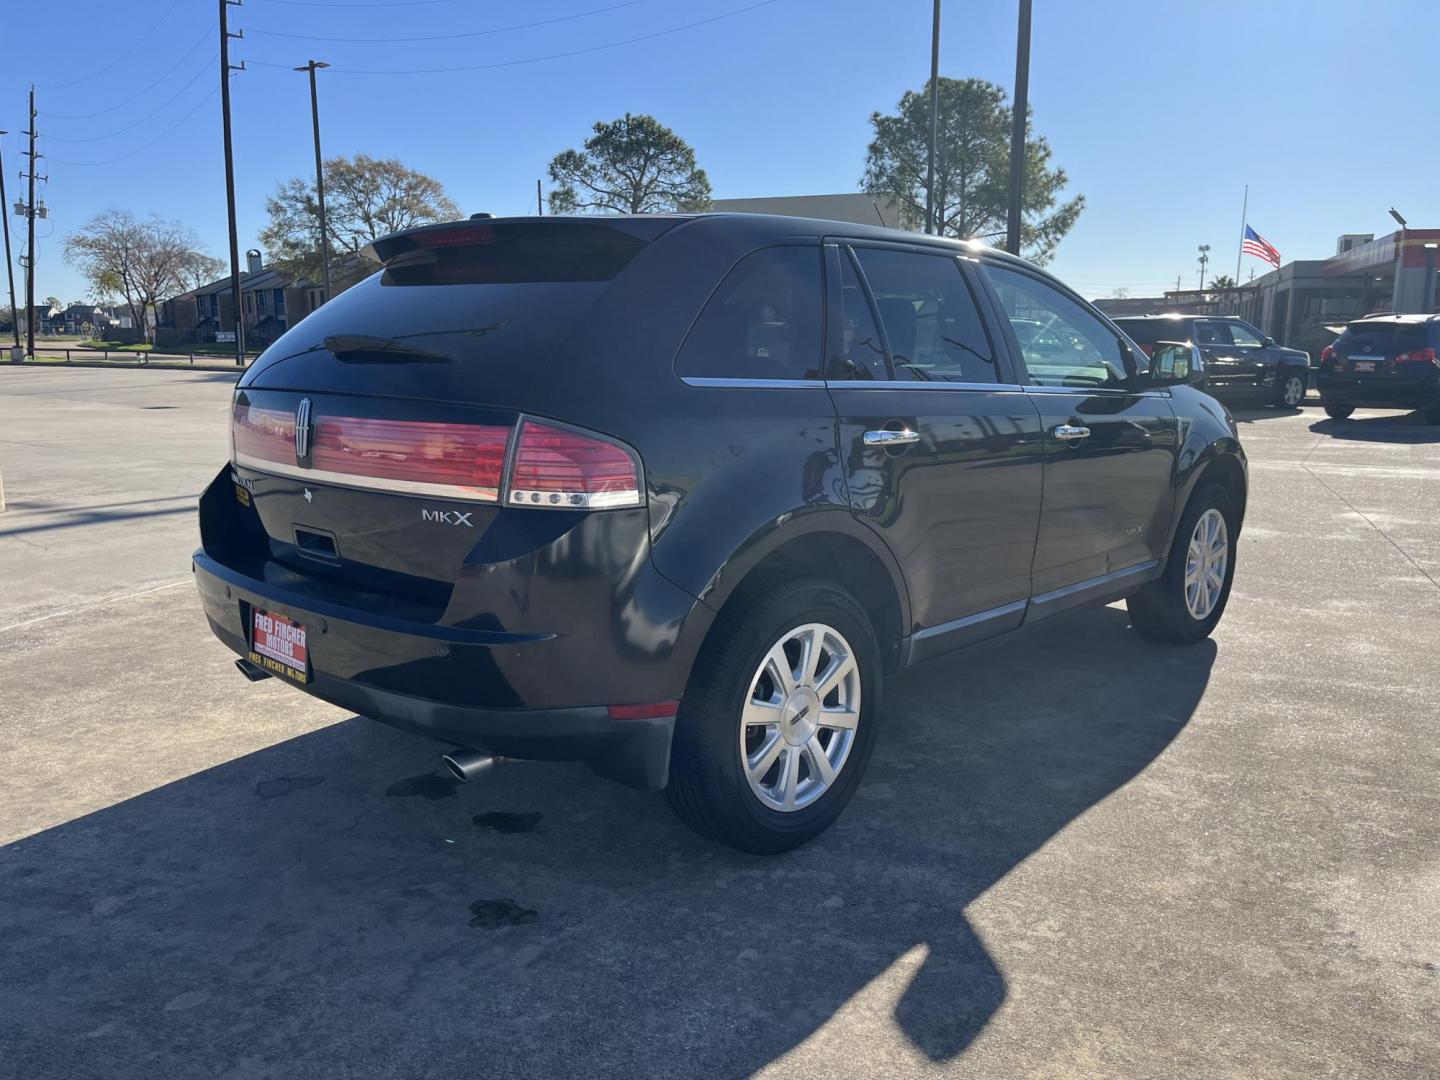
225	335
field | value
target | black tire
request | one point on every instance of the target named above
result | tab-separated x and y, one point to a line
1159	610
1282	390
708	788
1338	412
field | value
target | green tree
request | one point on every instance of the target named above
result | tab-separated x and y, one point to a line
634	165
972	168
143	261
365	198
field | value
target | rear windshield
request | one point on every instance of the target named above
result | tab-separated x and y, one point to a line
1383	337
1149	331
509	253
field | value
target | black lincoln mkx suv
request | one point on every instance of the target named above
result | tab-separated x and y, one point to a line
672	494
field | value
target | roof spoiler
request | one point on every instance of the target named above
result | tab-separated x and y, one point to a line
518	230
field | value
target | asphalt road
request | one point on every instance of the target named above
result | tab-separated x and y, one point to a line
1076	853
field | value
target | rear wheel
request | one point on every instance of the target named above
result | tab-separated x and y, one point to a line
1291	391
1338	412
779	719
1185	603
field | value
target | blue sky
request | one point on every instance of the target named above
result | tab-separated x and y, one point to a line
1160	112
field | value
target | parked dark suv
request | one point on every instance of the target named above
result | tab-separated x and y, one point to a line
1240	362
1389	361
670	494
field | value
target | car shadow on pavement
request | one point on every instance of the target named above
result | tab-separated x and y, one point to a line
1398	427
335	906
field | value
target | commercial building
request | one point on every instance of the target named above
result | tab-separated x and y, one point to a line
1300	303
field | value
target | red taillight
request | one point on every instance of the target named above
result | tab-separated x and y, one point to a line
263	435
453	461
1327	353
560	468
1417	356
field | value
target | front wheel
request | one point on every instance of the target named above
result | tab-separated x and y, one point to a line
1185	603
777	724
1291	391
1338	412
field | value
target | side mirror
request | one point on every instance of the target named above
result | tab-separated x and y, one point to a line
1271	343
1175	363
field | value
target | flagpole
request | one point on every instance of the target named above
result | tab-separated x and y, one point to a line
1244	213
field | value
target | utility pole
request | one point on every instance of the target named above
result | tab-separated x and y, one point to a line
1017	131
934	121
30	239
225	70
312	67
539	199
9	262
1204	250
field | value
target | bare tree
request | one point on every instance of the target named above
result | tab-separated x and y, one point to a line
143	261
365	198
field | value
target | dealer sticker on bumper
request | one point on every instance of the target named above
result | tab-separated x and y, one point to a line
278	644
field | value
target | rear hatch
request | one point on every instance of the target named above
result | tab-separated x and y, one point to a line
376	439
1383	350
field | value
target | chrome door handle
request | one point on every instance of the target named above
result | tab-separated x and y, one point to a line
1069	433
891	438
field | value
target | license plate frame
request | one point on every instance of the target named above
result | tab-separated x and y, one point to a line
280	645
1363	367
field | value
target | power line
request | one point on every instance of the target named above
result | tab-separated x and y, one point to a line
538	59
136	97
445	37
148	116
122	57
139	149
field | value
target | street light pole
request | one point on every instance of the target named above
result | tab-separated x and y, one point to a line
934	121
1017	130
312	67
9	262
225	69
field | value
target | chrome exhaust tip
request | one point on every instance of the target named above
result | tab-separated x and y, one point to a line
253	672
468	764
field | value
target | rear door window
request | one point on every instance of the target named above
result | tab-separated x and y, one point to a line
861	351
762	323
930	318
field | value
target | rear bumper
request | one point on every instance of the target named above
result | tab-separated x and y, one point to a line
351	652
1383	393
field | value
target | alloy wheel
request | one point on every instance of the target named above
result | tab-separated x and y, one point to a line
1206	561
797	726
1294	391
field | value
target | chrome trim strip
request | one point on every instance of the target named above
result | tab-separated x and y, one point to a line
369	483
969	620
1104	579
1091	391
896	384
755	384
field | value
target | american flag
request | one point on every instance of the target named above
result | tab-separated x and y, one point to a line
1257	245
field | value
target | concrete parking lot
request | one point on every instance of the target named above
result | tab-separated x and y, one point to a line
1076	853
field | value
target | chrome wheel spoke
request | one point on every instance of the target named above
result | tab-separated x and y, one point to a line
759	764
789	777
820	767
838	719
840	668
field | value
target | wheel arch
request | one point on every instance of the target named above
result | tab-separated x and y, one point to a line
829	545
